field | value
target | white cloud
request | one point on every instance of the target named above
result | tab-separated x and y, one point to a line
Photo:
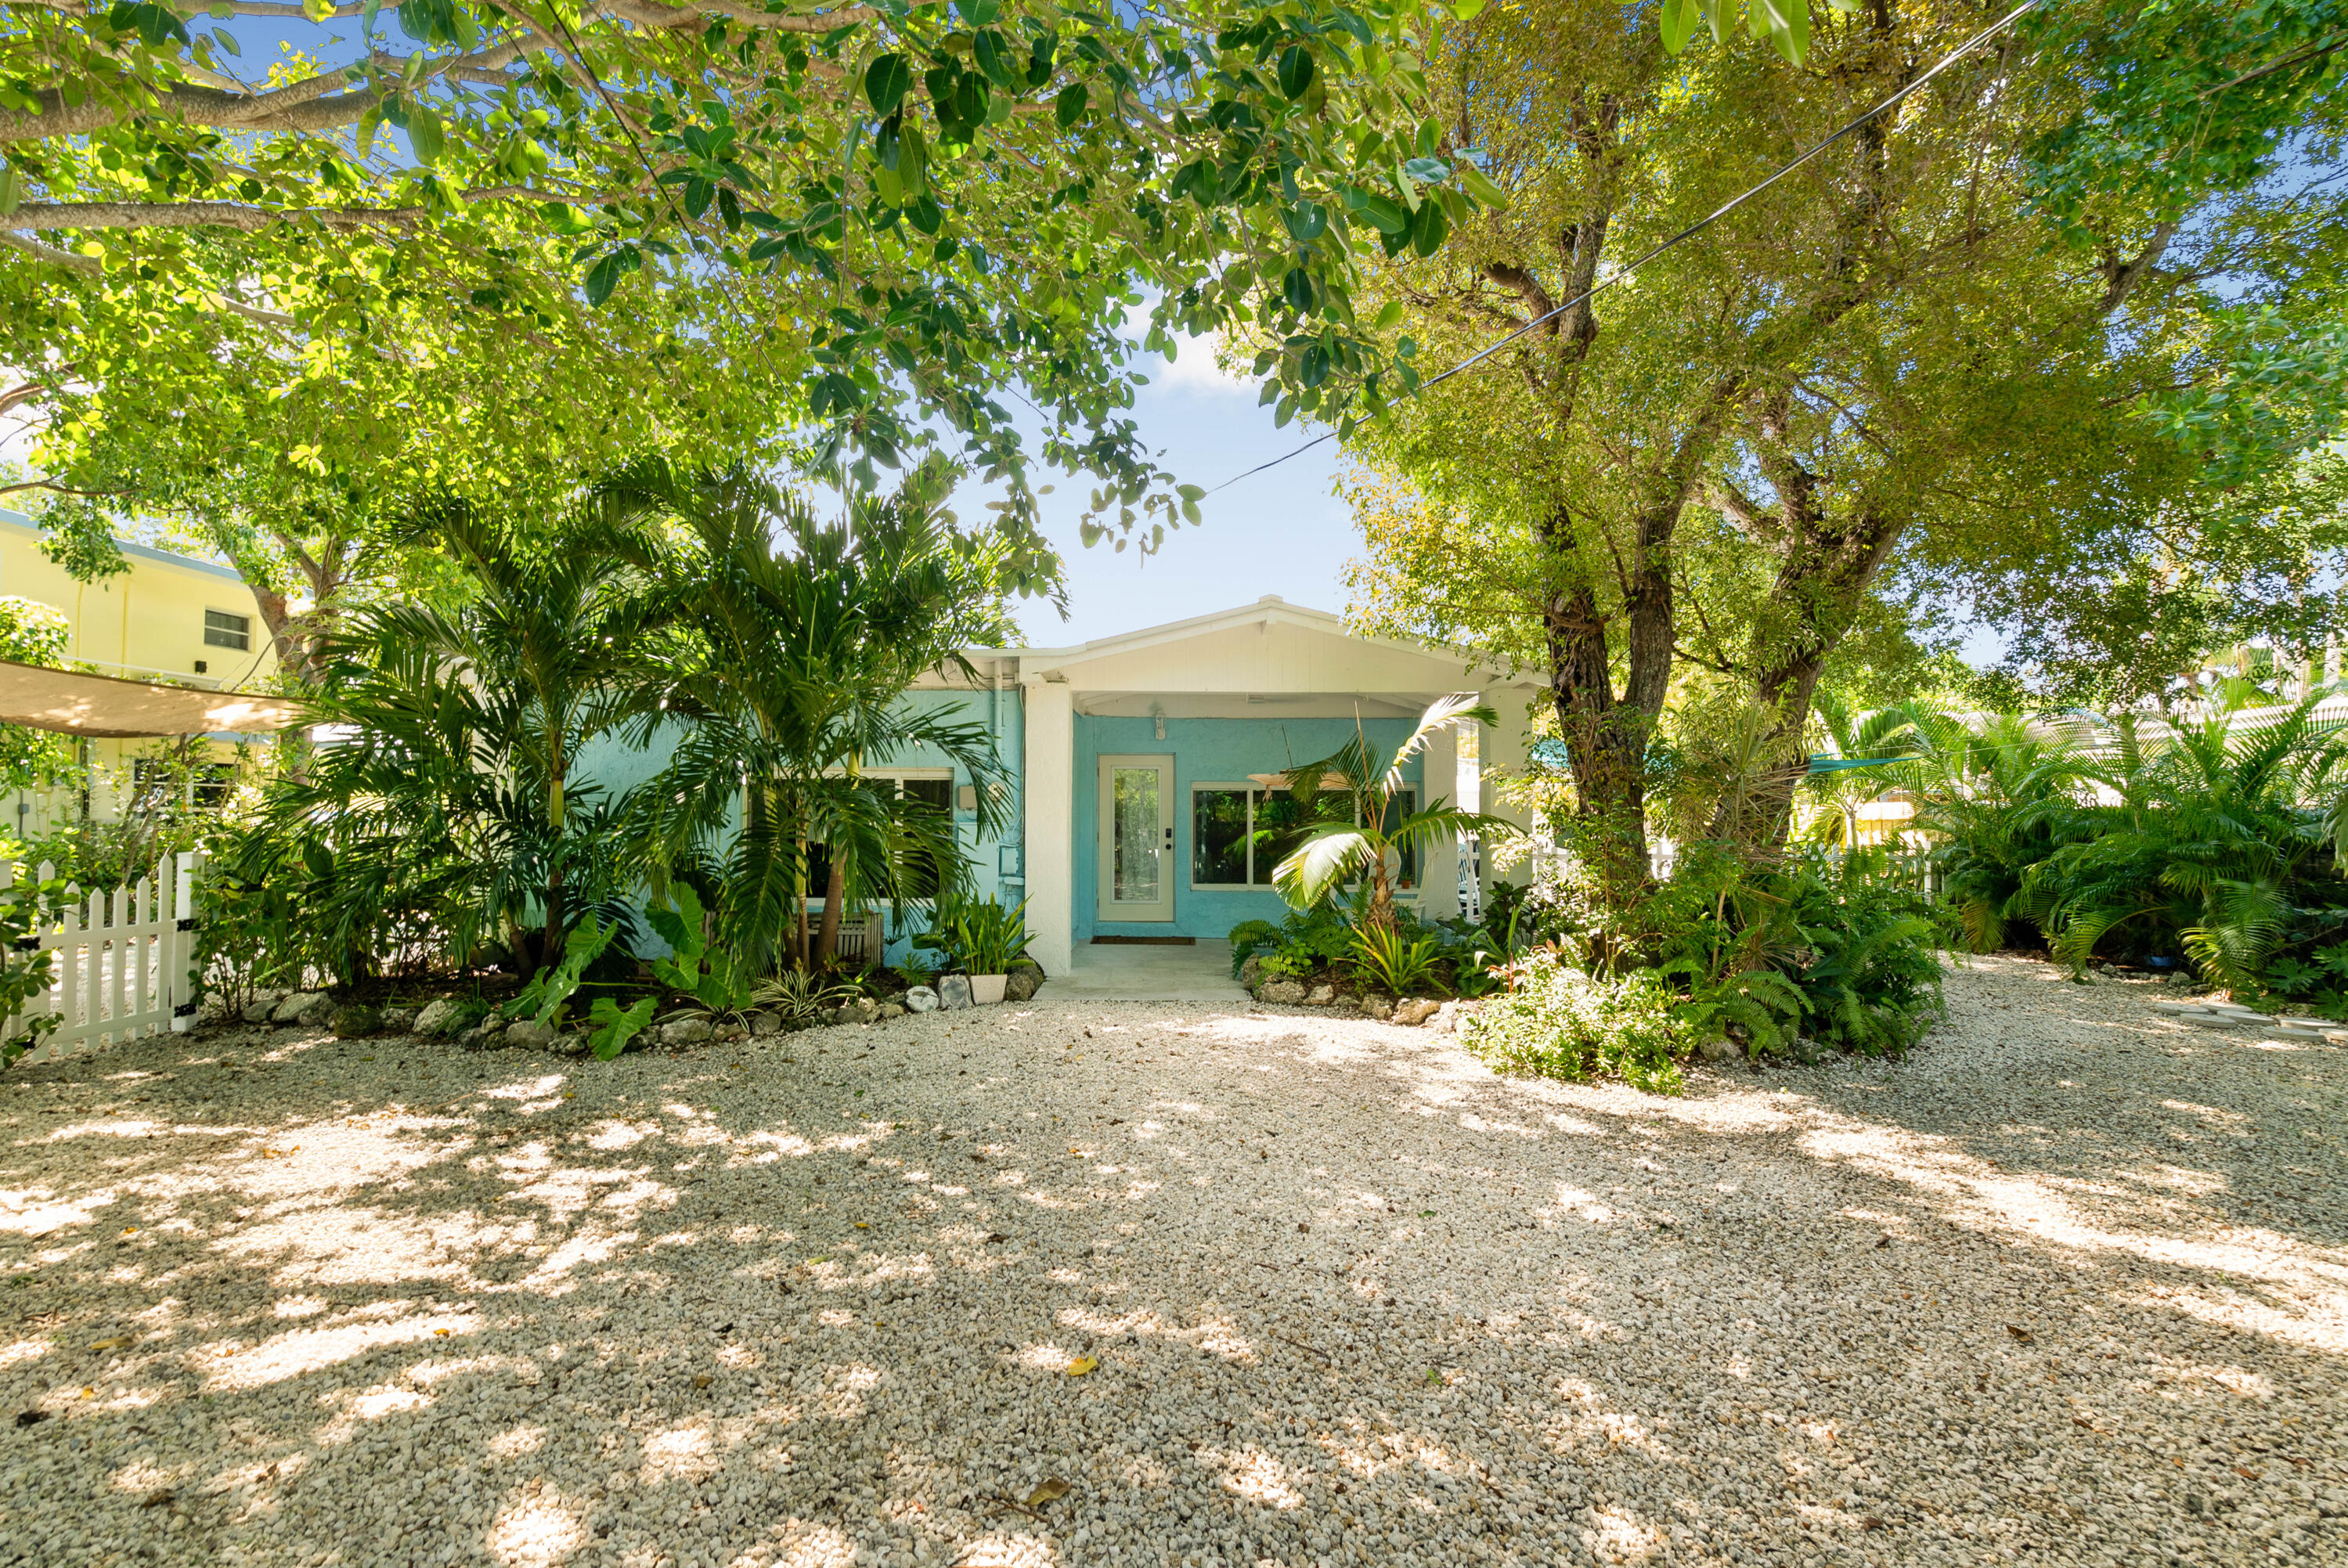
1193	366
1193	369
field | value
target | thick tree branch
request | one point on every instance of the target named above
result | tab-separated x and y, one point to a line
2120	278
1510	277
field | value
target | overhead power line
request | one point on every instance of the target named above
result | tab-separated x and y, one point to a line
1698	227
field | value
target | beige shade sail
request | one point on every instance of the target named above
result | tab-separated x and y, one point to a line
72	702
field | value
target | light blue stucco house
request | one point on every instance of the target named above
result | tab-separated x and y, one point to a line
1147	765
1147	769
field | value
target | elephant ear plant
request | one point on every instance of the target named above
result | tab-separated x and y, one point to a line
1369	849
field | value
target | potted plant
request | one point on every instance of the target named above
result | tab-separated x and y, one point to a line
983	940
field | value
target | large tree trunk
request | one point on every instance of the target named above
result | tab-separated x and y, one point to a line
1826	573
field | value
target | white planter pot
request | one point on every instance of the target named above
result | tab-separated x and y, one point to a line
985	990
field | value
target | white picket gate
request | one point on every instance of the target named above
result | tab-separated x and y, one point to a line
123	959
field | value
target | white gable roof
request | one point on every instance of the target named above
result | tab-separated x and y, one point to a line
1267	649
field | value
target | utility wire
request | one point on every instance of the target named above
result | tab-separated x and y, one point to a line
1698	227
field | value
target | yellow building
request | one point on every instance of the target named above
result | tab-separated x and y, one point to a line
169	617
182	619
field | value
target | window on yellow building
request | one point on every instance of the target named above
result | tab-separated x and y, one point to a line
224	630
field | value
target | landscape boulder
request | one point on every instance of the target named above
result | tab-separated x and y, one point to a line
292	1009
1416	1010
766	1023
921	999
954	991
891	1010
439	1017
354	1019
1720	1049
398	1020
1281	993
1377	1007
1251	972
687	1032
527	1036
1021	982
258	1010
1321	996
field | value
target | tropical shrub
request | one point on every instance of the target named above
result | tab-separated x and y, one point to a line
801	996
447	807
1559	1023
26	969
1868	969
1368	849
707	973
978	938
1394	961
789	643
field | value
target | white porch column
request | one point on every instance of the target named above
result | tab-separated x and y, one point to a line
1050	763
1504	747
1438	895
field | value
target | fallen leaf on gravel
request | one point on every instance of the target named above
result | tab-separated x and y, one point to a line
117	1343
2022	1333
1048	1491
2246	1474
1077	1369
997	1236
156	1499
862	1226
1883	1241
702	1381
441	1334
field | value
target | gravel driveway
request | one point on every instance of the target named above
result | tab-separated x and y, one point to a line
1101	1283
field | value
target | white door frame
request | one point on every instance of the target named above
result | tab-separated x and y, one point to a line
1107	910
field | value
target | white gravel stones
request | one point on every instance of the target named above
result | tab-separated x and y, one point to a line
2066	1286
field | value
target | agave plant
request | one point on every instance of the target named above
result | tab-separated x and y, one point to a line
1368	849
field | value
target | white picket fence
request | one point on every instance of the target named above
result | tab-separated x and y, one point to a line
123	959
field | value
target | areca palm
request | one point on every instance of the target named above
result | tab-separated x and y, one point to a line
458	731
1369	847
791	647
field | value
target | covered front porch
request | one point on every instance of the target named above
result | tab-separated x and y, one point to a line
1156	800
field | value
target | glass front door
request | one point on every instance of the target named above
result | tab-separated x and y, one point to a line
1136	837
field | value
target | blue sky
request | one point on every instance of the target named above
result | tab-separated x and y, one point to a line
1283	532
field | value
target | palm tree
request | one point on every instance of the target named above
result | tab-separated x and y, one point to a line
1855	747
458	731
1370	846
791	647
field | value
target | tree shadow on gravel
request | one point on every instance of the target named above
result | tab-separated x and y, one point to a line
1247	1287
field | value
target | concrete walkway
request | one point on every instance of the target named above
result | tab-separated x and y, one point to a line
1148	974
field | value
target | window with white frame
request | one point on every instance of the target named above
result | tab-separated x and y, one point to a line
227	629
1239	833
